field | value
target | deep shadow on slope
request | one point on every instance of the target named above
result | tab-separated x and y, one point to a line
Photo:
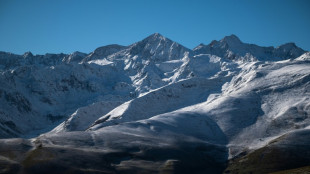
185	158
113	150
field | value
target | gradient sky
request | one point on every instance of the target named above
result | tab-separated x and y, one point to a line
54	26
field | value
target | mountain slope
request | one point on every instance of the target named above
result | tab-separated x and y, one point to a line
156	107
197	138
40	90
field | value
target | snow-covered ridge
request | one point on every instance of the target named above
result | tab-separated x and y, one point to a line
153	106
231	47
40	90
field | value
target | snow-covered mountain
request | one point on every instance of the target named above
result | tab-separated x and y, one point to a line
155	107
231	47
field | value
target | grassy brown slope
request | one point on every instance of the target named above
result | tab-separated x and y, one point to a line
284	153
301	170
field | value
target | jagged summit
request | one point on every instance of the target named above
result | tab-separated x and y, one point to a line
108	50
158	48
290	45
155	36
104	51
27	54
288	50
231	40
74	57
99	50
231	47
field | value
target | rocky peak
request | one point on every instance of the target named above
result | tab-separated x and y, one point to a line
231	40
158	48
108	49
231	47
103	52
288	50
155	37
27	54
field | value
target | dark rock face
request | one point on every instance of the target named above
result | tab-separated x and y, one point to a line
19	101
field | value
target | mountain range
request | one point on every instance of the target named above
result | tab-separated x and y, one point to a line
156	106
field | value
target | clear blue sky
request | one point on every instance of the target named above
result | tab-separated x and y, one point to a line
55	26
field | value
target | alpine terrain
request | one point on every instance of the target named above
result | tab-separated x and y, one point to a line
157	107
